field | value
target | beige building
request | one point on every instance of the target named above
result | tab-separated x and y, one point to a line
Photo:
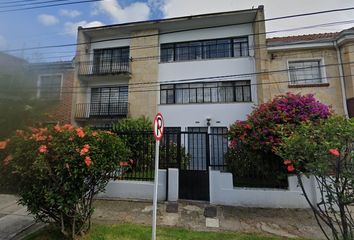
321	64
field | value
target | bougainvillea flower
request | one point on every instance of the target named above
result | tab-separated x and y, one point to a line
94	133
68	127
88	161
43	149
80	133
334	151
287	162
291	168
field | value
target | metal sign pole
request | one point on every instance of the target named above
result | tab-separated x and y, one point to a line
154	214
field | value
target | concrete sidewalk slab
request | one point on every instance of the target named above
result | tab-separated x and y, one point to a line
14	219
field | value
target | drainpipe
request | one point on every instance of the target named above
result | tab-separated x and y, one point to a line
341	76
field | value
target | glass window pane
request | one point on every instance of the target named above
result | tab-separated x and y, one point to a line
223	48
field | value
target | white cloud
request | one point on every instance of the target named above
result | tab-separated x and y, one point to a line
136	11
70	28
47	20
69	13
272	8
3	42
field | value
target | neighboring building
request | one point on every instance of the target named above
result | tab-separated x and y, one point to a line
12	74
172	66
321	64
53	82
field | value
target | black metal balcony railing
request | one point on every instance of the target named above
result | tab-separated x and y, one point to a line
103	67
101	110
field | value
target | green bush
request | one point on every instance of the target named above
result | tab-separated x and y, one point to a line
58	171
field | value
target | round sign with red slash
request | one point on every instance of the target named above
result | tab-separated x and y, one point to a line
158	127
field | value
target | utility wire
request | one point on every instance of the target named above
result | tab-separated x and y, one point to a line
242	75
49	5
33	3
158	90
182	30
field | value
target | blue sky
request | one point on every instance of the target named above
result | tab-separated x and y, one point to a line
57	25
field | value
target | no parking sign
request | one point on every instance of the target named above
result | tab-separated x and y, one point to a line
158	129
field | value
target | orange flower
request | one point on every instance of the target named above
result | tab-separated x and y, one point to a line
88	161
334	151
94	133
58	128
8	159
123	164
43	149
291	168
80	133
287	162
84	150
3	144
68	127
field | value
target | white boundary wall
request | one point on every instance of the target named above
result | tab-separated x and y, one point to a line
223	192
143	190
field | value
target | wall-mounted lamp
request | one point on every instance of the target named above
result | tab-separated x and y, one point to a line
208	119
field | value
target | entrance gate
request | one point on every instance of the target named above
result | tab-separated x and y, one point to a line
196	151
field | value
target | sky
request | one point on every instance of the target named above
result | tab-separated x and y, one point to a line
20	30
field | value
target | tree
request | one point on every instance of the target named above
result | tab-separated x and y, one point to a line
325	150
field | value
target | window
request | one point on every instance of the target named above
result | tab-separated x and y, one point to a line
305	72
206	49
206	92
110	60
50	86
108	100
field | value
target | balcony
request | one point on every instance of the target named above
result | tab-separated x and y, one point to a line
86	111
110	67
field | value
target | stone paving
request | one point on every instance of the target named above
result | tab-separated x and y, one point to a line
14	219
287	223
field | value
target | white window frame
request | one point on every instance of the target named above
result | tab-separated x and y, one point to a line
39	85
322	70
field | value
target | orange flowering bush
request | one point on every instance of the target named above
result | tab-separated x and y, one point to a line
59	169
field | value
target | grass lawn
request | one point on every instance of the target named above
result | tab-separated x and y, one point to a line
139	232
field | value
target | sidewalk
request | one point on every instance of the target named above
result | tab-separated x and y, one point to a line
289	223
14	219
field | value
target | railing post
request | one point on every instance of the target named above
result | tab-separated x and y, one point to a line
179	149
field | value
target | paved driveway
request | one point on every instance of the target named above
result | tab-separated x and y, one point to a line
14	218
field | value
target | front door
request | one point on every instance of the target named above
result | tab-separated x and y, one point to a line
194	173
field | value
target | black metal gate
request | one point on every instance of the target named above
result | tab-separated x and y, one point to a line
194	173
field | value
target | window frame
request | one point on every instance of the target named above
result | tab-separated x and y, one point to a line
197	94
39	81
166	58
98	60
322	71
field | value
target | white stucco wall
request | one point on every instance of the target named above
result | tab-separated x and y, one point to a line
187	115
223	192
222	114
143	190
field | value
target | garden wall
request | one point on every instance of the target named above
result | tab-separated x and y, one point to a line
143	190
223	192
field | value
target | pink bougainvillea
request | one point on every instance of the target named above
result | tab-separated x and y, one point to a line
269	121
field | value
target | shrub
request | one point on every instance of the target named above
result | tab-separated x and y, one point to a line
266	125
137	136
60	169
325	151
262	132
